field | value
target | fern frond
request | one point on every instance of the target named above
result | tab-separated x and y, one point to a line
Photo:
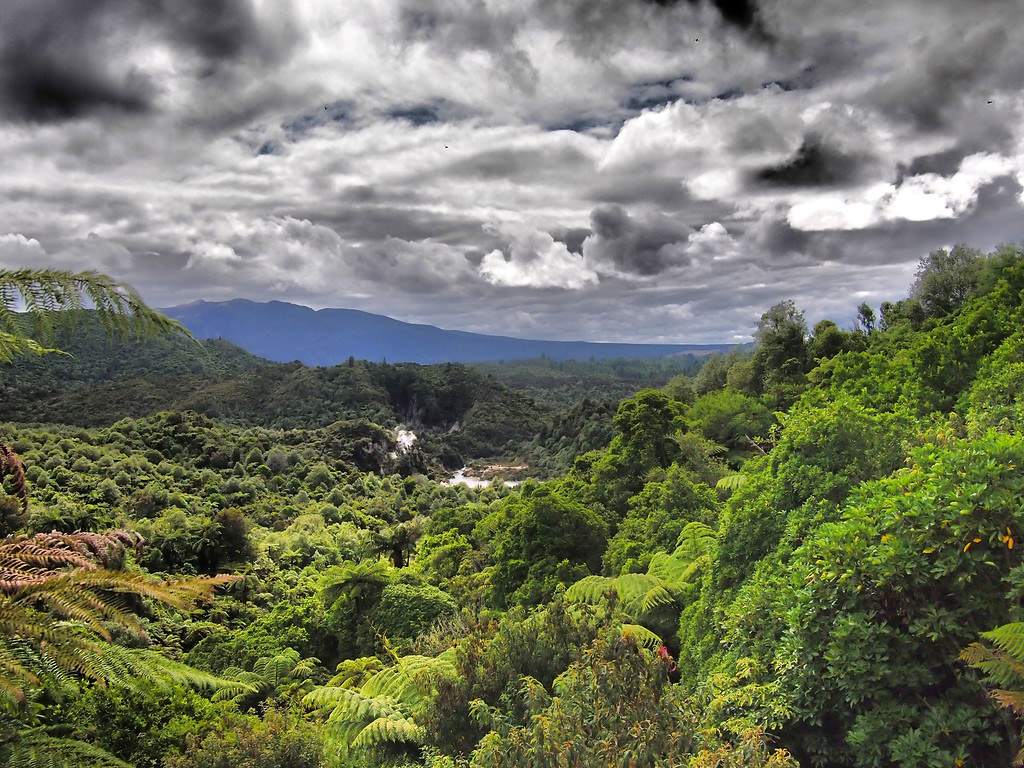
590	589
35	749
58	597
387	703
672	570
1012	700
354	580
386	730
1009	637
642	635
995	664
13	345
658	597
55	299
696	539
11	466
731	482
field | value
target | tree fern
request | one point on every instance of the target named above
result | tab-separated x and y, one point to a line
271	676
1002	666
355	580
641	594
57	603
11	466
34	748
51	299
731	482
389	730
641	635
384	707
1010	638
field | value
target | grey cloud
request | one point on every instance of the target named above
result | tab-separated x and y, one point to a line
815	163
572	237
632	246
775	237
54	63
523	164
376	222
65	59
468	26
627	189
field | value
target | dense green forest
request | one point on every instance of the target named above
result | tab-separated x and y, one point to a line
563	383
806	554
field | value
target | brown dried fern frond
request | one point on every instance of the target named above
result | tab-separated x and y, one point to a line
1012	700
27	560
59	599
11	466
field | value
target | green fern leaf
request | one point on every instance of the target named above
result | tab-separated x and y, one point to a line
590	590
1009	637
642	635
35	749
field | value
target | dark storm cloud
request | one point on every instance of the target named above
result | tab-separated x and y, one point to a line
944	163
740	13
590	22
54	63
64	59
776	237
814	164
572	237
218	30
632	245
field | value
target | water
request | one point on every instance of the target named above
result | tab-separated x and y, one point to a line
461	478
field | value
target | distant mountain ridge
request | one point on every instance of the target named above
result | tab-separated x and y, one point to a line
284	332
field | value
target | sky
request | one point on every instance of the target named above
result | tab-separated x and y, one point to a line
604	170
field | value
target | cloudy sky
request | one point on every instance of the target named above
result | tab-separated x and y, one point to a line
609	170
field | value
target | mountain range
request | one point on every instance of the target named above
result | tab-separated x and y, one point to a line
284	332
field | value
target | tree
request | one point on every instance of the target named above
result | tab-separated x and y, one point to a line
866	320
283	675
945	279
781	354
542	541
362	715
828	341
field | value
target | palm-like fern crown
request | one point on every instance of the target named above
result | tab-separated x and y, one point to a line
1002	666
58	601
281	674
51	298
355	580
382	707
641	593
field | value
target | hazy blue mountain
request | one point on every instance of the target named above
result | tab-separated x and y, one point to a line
284	332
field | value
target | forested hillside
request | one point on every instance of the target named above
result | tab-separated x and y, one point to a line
808	554
97	383
564	383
